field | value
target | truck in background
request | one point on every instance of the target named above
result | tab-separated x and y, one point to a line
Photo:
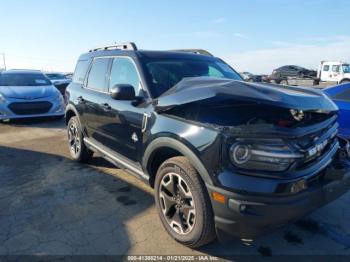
328	74
336	72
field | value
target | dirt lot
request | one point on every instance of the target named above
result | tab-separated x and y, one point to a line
51	205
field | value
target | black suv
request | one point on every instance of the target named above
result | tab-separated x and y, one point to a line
222	155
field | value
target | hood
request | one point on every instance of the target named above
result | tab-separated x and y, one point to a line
208	90
27	92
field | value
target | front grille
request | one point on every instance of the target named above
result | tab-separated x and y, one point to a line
325	136
30	108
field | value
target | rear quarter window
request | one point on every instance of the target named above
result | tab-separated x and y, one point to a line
80	71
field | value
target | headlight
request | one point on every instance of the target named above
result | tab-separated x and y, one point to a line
58	96
2	99
263	156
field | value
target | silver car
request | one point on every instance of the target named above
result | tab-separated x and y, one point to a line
28	93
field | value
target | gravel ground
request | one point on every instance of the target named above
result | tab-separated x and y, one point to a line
50	205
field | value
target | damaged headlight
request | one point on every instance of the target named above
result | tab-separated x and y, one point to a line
262	155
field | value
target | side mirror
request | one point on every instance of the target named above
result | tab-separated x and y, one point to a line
123	92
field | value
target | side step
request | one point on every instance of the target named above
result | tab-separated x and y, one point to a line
115	158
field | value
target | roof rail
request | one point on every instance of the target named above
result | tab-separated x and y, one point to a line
195	51
121	46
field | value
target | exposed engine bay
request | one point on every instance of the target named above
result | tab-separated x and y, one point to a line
233	113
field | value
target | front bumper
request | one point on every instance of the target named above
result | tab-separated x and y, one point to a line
57	109
247	214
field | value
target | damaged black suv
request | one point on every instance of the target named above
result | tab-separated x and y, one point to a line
222	155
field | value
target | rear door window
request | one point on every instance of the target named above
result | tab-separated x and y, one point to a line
97	79
80	71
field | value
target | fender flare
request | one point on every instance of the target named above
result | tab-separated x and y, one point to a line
71	107
180	147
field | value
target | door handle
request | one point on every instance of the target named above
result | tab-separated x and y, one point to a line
106	107
144	122
81	100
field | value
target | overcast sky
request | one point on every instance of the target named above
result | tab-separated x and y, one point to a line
251	35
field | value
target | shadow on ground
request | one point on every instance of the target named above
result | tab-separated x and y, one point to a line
61	207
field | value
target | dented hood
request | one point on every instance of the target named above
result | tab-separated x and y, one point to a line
208	90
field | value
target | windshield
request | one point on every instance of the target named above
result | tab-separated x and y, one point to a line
346	69
23	79
166	73
56	76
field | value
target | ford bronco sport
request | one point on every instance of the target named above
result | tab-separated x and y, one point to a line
222	155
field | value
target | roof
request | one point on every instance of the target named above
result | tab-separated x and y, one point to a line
147	54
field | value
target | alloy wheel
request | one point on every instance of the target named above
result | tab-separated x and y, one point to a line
177	203
74	139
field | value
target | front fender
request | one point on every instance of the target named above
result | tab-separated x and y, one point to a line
172	143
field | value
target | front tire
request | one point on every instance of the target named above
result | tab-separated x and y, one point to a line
77	148
183	203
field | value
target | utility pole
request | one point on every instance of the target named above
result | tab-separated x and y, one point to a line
4	60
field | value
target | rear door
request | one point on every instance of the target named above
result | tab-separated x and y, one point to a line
94	96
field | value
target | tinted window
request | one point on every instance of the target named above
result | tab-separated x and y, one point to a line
343	96
98	74
124	72
326	68
166	73
24	79
80	71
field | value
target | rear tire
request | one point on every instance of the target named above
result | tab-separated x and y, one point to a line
345	81
183	203
77	148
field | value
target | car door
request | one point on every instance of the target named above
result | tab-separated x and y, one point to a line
123	121
326	74
93	97
284	71
292	71
336	76
342	99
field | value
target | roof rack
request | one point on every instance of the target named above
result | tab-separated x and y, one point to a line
195	51
121	46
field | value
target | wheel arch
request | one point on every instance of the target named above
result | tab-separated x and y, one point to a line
345	80
70	112
163	148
